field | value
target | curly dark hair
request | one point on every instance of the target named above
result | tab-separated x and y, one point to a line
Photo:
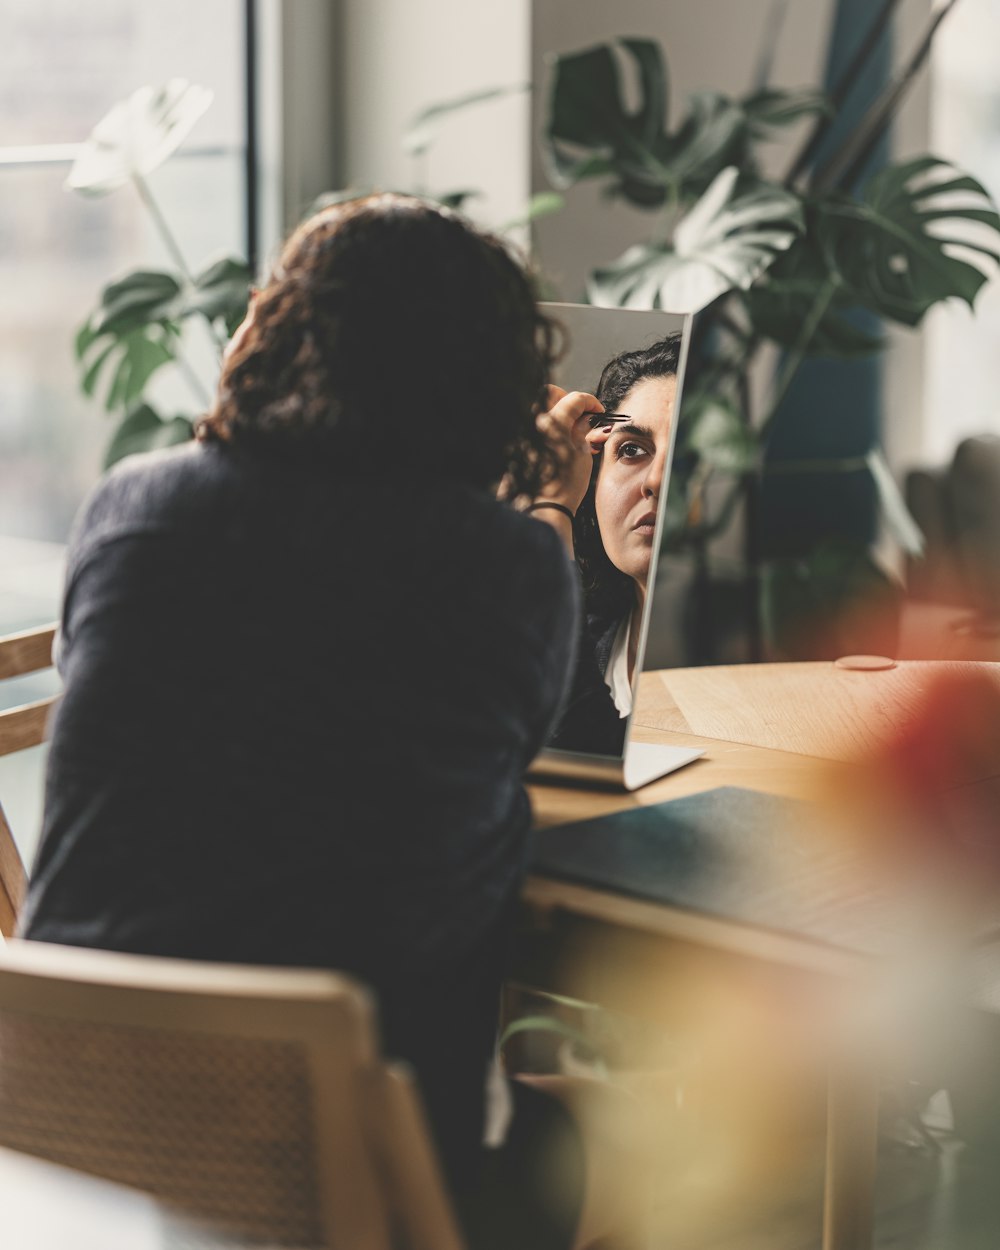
610	593
397	320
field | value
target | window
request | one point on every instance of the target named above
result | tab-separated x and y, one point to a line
63	64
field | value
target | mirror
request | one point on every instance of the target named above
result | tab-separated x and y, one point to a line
633	363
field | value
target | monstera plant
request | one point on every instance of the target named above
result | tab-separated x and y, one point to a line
137	328
784	261
787	261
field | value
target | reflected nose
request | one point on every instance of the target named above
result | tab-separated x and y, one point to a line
654	477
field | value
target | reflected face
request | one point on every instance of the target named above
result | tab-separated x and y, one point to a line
631	476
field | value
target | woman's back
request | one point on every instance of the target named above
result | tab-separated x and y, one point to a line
299	705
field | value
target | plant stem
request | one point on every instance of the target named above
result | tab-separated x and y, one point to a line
666	218
845	165
772	29
842	89
164	231
173	247
793	362
752	562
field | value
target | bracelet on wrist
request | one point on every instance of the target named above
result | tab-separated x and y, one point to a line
551	503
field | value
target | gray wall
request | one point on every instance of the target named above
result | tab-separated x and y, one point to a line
398	56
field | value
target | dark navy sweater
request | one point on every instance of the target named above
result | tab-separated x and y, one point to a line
299	704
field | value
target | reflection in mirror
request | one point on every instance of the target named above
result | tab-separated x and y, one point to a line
629	363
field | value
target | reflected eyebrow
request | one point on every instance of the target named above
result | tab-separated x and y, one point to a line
642	431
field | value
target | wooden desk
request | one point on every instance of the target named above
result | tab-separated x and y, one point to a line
768	728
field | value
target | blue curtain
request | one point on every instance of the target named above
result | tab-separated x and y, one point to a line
833	408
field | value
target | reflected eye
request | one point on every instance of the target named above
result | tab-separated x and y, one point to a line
630	451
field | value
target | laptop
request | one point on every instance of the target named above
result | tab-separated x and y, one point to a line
642	357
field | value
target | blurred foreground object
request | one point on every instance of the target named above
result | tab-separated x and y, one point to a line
926	816
777	1036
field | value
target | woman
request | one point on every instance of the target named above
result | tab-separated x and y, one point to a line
308	657
604	503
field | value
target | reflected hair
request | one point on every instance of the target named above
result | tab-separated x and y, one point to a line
396	324
608	592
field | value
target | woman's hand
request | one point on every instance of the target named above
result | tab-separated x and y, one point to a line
566	426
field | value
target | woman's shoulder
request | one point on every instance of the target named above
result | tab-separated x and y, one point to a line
124	495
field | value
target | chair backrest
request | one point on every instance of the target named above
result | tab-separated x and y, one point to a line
250	1101
20	727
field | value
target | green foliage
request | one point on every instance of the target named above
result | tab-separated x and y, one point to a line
219	293
730	237
770	110
143	429
889	247
128	337
143	298
591	133
136	329
766	261
902	247
779	307
890	251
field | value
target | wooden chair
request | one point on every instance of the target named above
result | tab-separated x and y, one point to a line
250	1102
20	728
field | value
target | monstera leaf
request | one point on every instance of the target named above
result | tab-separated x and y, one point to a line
771	110
895	252
143	297
129	336
712	137
135	328
906	245
591	133
590	130
220	291
144	430
137	135
784	300
126	361
726	242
